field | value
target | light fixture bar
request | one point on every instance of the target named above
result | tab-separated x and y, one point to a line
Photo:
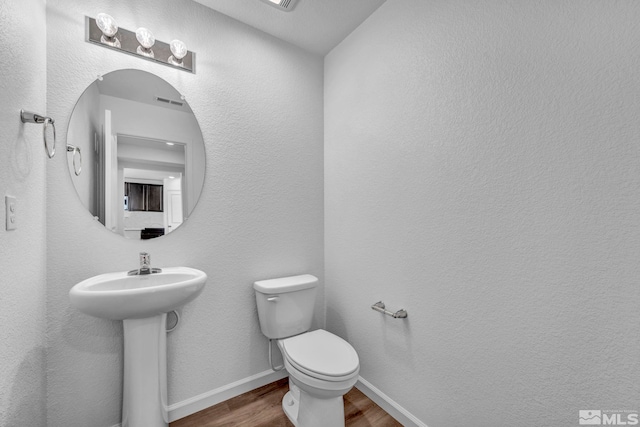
128	43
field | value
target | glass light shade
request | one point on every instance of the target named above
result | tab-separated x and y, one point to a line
107	24
145	37
178	49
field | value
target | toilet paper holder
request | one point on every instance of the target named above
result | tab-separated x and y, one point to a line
400	314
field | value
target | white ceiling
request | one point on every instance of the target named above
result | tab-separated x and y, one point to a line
314	25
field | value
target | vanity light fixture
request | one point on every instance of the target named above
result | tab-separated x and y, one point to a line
104	31
285	5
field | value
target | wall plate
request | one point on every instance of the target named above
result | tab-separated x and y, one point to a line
10	204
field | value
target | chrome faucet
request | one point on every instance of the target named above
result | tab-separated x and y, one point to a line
145	266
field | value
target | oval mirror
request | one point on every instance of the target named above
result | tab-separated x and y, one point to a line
135	154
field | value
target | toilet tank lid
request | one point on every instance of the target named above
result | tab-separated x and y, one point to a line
286	284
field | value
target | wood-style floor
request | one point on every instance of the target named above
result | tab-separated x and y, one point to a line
262	408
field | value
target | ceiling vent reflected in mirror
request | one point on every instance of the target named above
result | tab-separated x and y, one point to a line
285	5
169	101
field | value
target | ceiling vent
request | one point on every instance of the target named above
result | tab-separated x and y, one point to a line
286	5
169	101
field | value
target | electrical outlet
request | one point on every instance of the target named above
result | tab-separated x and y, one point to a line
11	209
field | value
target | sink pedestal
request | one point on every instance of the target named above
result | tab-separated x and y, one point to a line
144	394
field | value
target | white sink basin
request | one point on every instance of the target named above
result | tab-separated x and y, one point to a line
118	296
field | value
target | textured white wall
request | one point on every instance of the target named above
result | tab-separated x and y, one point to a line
22	251
482	170
259	104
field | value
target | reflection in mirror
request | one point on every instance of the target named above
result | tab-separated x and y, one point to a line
142	152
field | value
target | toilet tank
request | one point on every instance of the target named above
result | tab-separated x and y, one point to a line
285	305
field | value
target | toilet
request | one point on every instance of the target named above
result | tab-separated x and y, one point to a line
322	367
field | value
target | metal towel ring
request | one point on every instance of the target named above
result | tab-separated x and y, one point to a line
49	121
77	169
29	117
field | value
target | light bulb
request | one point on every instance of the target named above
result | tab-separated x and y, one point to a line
107	24
146	40
179	51
109	28
145	37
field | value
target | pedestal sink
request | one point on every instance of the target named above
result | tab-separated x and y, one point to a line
142	303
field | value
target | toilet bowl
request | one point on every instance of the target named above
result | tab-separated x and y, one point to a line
322	367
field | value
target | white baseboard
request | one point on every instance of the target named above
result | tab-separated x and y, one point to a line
213	397
403	416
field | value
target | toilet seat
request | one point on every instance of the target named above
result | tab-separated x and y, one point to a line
322	355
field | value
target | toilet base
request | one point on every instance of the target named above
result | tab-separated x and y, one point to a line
304	410
290	406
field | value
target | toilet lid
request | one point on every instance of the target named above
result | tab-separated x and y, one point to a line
321	352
